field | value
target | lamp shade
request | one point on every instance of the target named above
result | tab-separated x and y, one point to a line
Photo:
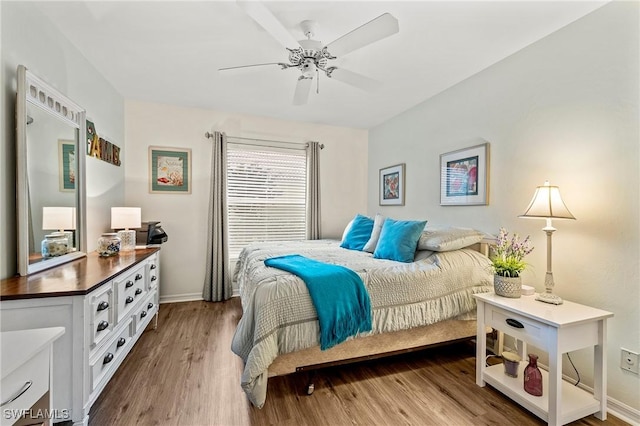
126	217
60	218
547	204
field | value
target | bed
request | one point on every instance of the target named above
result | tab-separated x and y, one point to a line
414	305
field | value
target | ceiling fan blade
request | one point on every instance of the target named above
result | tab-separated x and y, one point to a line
303	87
377	29
354	79
263	16
231	70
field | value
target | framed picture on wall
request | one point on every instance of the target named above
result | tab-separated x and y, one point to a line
392	185
67	165
169	170
464	176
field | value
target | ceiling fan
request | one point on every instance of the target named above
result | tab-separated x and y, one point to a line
311	56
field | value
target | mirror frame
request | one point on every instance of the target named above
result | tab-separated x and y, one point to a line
34	91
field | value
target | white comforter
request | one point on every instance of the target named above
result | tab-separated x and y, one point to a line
279	317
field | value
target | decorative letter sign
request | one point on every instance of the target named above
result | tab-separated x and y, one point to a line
100	148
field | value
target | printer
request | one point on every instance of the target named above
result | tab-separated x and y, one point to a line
150	233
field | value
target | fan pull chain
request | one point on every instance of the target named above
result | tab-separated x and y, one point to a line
318	81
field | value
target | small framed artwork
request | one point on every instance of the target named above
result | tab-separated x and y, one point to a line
67	165
464	177
169	170
392	185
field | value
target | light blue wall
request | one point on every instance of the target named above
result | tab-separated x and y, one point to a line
564	109
30	39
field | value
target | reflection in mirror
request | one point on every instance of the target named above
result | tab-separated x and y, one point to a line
50	183
63	221
51	148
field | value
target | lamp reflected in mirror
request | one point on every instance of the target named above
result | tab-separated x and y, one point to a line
63	221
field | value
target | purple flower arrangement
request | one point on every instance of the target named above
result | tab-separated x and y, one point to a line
509	253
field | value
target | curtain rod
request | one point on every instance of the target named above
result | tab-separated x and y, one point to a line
210	136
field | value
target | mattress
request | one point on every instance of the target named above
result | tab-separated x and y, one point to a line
279	317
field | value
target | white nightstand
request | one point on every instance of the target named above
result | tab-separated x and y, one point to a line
555	329
25	383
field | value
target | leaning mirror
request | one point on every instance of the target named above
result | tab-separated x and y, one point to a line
50	176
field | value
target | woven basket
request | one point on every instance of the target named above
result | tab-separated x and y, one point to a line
507	286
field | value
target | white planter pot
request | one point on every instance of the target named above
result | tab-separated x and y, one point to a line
507	286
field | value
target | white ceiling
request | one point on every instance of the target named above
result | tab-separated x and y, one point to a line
169	52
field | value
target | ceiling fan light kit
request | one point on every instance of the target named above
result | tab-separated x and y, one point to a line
311	56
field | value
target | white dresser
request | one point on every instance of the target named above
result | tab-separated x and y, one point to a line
25	382
104	303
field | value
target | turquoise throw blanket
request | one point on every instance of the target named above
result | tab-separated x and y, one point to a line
338	294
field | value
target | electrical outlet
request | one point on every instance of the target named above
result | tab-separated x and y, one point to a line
629	360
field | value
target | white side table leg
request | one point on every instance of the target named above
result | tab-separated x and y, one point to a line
555	382
481	344
600	371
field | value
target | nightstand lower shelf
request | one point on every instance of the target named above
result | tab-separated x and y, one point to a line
576	403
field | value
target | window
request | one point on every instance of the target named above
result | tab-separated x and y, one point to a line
266	195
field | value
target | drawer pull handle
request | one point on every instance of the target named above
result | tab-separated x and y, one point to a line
153	278
107	358
514	323
143	314
138	277
121	341
138	291
128	300
150	305
103	325
103	305
128	284
22	390
153	266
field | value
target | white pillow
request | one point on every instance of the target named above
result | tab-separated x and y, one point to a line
347	229
448	238
378	221
422	254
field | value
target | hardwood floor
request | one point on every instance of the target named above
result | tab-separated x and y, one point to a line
184	373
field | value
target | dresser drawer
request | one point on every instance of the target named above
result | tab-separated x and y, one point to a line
130	289
104	361
33	376
517	326
101	328
144	313
101	317
153	272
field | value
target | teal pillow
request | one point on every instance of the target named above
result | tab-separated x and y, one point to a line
358	234
399	239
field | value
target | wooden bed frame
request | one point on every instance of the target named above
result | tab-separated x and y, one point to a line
379	345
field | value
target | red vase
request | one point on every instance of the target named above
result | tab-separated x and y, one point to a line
533	377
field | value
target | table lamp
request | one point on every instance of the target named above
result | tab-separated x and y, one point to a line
123	218
62	219
547	204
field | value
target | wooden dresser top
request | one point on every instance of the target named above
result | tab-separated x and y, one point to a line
74	278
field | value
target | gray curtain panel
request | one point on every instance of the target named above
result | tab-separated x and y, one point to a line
217	282
313	191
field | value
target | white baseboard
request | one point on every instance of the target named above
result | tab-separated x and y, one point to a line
623	411
186	297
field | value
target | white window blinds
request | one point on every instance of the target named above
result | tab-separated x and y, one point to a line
266	195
